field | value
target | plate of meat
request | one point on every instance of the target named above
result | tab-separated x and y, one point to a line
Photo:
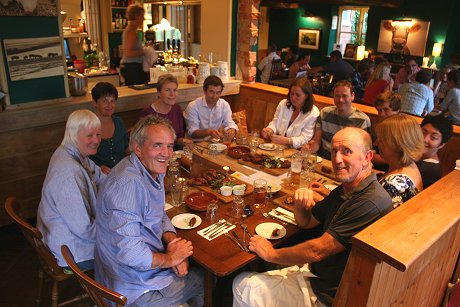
271	231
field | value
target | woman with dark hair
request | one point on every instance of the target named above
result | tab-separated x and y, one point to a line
452	101
294	121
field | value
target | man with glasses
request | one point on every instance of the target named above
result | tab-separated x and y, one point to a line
406	73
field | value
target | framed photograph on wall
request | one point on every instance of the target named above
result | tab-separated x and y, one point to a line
350	50
309	38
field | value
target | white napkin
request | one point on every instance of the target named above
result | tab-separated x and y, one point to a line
221	231
289	218
457	165
167	206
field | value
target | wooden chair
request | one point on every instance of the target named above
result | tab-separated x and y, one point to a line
97	292
48	263
277	65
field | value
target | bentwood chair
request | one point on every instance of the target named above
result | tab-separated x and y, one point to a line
97	292
275	72
48	263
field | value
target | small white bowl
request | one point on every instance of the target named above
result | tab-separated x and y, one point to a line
239	189
275	187
218	146
226	190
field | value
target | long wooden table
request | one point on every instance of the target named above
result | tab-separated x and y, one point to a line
220	257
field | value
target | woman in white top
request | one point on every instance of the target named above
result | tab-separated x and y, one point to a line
295	117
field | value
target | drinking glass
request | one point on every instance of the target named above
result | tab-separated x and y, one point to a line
238	206
296	168
213	150
181	184
310	161
175	195
260	193
212	213
279	152
227	140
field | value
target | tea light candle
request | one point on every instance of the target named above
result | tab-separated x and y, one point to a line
226	168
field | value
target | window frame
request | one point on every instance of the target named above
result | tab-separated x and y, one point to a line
363	10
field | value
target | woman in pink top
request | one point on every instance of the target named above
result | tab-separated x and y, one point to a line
379	82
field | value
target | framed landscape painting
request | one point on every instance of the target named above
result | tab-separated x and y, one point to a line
309	38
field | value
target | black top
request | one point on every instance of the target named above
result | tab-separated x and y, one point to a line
343	216
431	172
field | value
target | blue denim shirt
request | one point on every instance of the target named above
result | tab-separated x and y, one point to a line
130	224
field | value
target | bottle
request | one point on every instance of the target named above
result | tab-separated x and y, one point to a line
191	79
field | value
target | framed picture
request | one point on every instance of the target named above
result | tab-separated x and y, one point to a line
403	37
350	50
309	38
28	8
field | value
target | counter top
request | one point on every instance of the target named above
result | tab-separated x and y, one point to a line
42	113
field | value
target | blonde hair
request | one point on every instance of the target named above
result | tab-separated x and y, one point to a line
402	134
381	72
133	11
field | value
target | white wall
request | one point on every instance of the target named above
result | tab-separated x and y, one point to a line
216	28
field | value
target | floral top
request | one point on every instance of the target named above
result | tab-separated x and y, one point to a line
400	187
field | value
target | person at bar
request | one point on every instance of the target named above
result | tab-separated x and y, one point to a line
407	73
437	130
67	210
417	97
358	202
207	115
133	54
334	118
400	142
294	121
451	102
166	106
265	66
114	142
138	253
360	76
301	64
340	69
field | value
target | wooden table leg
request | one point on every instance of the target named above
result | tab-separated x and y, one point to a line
208	285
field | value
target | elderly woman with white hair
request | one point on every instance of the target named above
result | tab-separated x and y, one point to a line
66	213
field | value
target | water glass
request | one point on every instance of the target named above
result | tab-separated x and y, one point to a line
296	168
279	152
238	206
212	213
181	184
175	195
213	150
188	151
260	193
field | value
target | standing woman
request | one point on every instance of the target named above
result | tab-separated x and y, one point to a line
379	82
451	102
133	54
67	210
114	143
166	106
294	121
400	141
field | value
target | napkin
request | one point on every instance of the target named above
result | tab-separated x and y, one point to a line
167	206
289	218
457	165
221	231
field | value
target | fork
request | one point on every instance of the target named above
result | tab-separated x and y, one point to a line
265	214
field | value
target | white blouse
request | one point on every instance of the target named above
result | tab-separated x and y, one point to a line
301	130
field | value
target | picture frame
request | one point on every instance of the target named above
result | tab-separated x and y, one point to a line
350	51
309	38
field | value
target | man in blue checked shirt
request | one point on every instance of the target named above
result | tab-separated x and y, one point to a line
137	251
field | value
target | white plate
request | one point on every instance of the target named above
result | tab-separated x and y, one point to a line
181	220
266	229
219	146
330	187
267	146
275	187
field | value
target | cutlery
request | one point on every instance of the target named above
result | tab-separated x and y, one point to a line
245	228
234	241
219	230
284	215
211	228
239	241
265	214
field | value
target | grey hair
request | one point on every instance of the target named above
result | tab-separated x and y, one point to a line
77	120
139	134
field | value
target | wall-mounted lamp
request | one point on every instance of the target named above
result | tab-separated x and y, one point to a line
437	49
406	22
308	14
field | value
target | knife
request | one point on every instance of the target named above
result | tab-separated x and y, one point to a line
239	241
234	241
219	230
213	227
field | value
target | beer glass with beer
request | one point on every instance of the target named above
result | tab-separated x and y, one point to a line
296	168
260	193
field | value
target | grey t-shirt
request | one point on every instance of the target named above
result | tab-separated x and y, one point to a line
343	216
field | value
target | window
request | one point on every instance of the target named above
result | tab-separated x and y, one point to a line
352	26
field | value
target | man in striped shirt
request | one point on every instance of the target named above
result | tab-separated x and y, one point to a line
334	118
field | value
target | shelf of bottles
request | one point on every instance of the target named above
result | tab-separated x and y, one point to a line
119	20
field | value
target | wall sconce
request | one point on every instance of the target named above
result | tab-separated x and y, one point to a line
407	22
360	52
437	49
308	14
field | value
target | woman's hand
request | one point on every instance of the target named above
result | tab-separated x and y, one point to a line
267	133
278	139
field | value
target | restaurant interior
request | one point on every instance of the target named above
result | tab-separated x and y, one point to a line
408	258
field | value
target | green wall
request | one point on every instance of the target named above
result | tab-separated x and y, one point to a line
443	17
33	89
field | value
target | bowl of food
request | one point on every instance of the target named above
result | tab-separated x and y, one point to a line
226	190
217	147
238	152
199	201
274	187
239	189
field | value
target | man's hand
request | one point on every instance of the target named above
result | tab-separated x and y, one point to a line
215	134
262	247
320	189
181	269
304	198
178	250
